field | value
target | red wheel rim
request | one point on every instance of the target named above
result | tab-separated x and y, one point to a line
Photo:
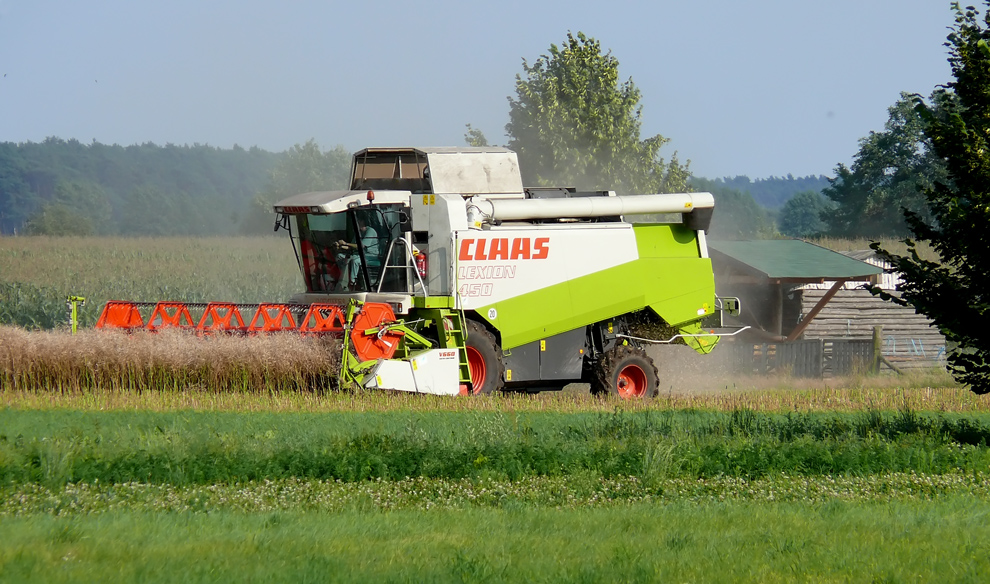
478	370
631	382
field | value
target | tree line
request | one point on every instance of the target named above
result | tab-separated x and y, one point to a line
572	120
65	187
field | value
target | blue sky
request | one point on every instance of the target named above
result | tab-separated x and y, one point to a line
758	88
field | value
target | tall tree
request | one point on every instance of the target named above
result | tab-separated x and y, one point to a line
891	171
573	123
802	215
953	291
475	137
58	219
147	210
15	203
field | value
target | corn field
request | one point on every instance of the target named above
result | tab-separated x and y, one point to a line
38	273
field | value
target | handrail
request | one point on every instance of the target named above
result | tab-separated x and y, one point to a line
409	256
680	336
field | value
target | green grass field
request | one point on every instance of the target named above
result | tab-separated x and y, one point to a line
907	541
181	448
498	493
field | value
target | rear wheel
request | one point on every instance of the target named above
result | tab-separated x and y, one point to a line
625	372
484	360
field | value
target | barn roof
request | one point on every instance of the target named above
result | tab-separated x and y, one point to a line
888	280
791	260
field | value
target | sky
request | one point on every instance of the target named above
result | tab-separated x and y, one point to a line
760	88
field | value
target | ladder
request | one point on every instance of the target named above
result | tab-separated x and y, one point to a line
450	330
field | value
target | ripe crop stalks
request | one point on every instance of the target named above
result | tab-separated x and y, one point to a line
171	369
168	360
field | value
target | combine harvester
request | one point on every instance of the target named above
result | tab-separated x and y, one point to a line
444	275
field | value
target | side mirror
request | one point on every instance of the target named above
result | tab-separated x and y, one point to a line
405	223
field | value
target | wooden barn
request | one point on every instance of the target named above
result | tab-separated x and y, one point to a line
909	339
808	309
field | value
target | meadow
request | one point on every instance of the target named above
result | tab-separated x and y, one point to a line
169	457
56	448
746	542
402	488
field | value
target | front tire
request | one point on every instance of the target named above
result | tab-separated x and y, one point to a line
484	360
627	373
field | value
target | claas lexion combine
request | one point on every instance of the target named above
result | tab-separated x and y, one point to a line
442	274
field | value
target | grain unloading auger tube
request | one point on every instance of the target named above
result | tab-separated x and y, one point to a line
488	210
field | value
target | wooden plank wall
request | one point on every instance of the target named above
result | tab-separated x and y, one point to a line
909	339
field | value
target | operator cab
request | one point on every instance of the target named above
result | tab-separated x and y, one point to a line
345	252
350	244
361	241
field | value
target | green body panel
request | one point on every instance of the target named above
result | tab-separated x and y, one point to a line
666	241
702	344
669	277
433	302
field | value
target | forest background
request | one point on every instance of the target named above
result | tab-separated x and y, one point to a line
66	187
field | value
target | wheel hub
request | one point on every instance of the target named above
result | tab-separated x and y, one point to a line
631	382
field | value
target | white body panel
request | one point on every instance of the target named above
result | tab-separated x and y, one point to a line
436	372
493	172
508	261
440	216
